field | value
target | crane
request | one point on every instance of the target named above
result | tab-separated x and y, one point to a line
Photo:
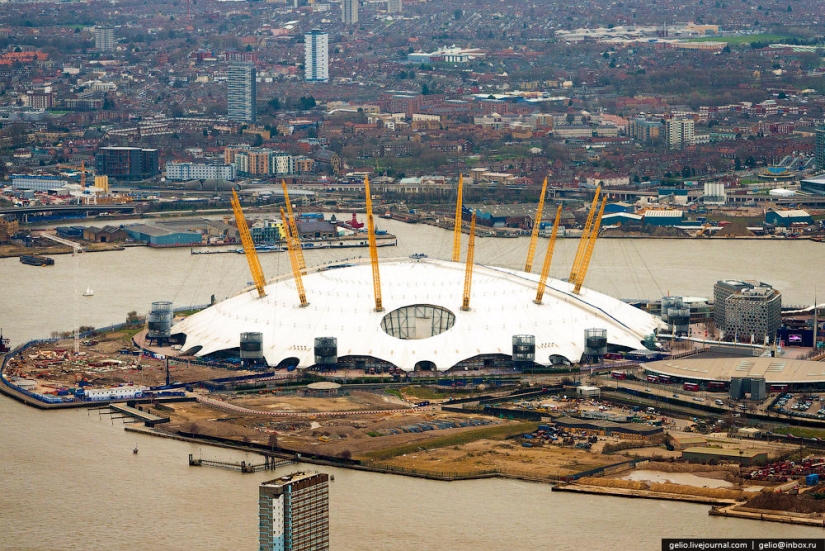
591	243
574	270
248	246
83	170
299	251
468	270
292	246
376	276
548	257
457	228
528	266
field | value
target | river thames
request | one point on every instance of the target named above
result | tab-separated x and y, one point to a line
69	479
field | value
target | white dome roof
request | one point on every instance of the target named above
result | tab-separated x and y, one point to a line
342	305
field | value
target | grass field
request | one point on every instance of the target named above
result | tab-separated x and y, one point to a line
741	39
497	432
802	432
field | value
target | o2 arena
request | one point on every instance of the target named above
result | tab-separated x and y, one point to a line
417	314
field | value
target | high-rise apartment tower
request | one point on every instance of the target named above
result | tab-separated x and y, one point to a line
349	12
819	147
105	39
241	92
293	513
316	56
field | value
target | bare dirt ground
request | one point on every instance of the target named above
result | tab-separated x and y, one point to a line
805	502
355	400
328	435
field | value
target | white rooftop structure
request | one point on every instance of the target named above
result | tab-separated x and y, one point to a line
792	213
422	305
773	369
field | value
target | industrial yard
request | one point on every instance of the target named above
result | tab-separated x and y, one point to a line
103	361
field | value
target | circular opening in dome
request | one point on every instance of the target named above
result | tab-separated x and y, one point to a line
417	321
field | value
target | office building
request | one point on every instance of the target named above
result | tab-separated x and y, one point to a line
293	513
127	163
393	6
241	93
105	39
316	56
349	12
746	310
38	182
680	133
819	147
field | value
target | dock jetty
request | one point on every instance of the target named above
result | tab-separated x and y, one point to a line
270	464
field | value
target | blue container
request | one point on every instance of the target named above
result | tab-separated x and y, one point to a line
812	480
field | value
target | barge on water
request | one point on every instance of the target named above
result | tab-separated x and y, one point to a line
36	260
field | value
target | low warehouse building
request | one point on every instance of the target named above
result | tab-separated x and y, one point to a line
588	391
743	457
686	442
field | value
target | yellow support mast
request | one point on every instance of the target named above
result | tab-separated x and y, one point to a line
574	270
299	251
531	252
291	245
548	257
457	227
468	270
591	244
376	276
248	246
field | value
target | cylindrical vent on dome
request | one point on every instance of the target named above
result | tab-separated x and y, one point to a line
595	342
326	350
252	346
159	320
524	348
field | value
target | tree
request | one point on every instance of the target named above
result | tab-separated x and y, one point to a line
307	102
132	317
457	14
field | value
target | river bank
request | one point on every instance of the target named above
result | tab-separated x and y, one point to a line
12	251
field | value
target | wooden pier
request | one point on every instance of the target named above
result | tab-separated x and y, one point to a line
270	464
148	419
